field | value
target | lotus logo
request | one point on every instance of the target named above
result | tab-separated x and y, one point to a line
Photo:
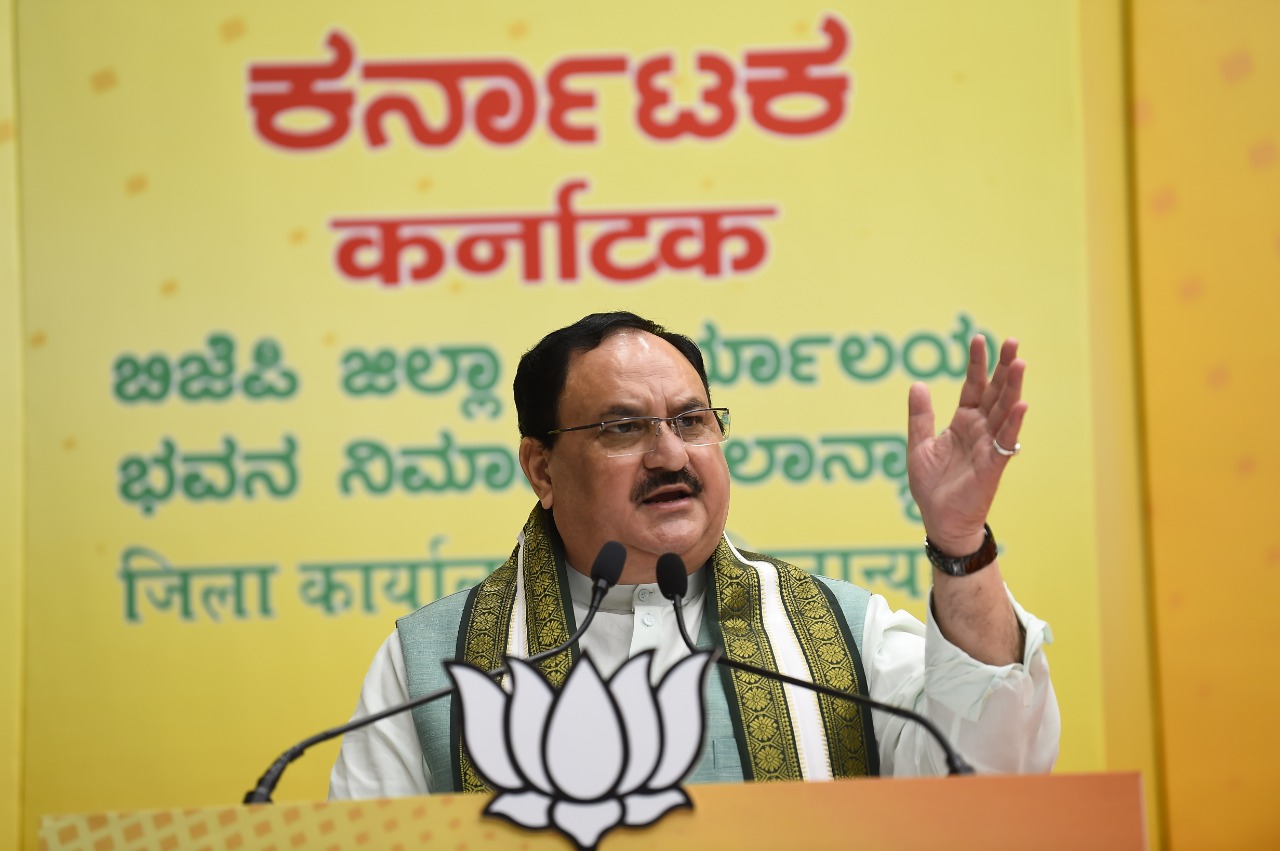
590	757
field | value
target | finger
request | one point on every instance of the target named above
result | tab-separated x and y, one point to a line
1010	394
975	379
1008	354
1007	436
919	415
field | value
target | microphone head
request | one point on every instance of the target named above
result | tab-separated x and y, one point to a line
608	563
673	580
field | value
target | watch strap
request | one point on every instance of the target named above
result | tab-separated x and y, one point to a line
963	565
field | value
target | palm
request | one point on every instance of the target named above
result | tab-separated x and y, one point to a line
954	475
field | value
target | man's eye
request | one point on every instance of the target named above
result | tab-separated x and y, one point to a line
623	429
692	421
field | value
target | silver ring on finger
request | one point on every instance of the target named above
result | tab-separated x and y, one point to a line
1008	453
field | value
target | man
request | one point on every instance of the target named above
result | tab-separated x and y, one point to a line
619	442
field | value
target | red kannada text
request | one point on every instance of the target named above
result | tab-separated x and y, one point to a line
313	106
620	247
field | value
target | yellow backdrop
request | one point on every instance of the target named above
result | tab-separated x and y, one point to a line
251	445
11	527
1207	198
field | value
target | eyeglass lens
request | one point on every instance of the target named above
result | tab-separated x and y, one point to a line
636	435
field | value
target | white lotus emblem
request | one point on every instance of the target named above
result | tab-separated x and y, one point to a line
590	757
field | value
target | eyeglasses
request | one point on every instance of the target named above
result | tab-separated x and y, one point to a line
638	435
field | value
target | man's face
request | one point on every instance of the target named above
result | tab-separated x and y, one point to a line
673	499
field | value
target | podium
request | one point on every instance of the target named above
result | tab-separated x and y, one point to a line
1067	811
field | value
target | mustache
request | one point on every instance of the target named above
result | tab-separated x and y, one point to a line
656	479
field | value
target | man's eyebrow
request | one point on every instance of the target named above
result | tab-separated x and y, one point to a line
691	403
624	409
621	409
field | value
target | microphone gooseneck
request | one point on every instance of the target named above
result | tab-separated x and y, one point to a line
605	572
673	582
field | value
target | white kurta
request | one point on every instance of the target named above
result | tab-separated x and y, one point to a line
999	718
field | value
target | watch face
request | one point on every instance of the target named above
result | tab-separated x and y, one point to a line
947	564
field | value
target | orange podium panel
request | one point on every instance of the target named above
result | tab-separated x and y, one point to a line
1069	811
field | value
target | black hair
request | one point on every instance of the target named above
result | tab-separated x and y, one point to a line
543	370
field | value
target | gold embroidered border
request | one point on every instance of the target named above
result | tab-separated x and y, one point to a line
546	621
762	705
830	664
490	623
486	642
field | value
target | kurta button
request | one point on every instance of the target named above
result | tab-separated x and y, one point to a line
644	594
649	620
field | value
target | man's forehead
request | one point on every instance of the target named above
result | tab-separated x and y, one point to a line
627	368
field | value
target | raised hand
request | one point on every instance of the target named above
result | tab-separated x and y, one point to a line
954	475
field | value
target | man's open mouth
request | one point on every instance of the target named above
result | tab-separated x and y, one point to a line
667	495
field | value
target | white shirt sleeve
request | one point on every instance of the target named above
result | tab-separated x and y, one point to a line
384	759
1000	718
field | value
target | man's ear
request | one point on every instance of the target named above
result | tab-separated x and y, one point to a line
535	460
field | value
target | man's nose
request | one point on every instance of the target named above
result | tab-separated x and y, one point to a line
671	452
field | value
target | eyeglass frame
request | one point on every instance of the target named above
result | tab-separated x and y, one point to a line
724	426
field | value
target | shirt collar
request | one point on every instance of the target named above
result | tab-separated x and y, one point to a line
622	598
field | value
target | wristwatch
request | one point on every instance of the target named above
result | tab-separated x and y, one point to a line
963	565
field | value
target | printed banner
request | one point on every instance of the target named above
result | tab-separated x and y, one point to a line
281	262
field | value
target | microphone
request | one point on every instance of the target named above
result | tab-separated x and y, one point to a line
673	582
605	571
